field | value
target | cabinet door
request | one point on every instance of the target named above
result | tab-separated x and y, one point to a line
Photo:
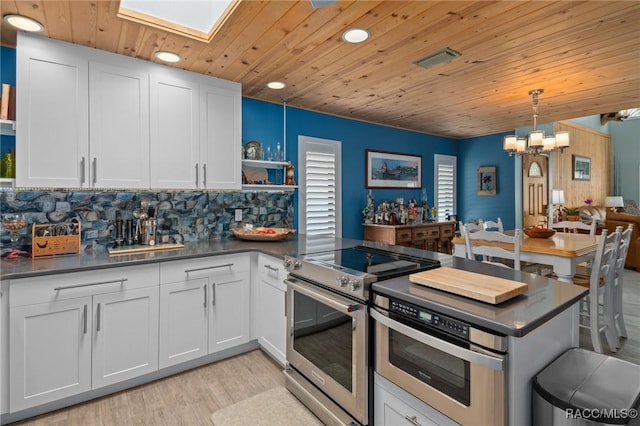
119	130
220	136
183	321
52	130
271	315
174	132
229	316
50	352
125	335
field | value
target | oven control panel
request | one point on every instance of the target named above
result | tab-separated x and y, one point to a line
425	316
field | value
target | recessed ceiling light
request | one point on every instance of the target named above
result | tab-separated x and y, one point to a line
355	35
23	23
168	56
276	85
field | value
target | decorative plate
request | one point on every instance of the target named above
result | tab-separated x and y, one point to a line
535	232
262	234
253	150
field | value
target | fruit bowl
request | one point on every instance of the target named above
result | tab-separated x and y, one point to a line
262	234
535	232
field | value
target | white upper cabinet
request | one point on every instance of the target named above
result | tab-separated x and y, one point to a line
221	134
119	125
174	130
93	119
52	130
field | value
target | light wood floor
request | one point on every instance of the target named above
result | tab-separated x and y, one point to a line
190	398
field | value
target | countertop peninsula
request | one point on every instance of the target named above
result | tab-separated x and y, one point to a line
544	299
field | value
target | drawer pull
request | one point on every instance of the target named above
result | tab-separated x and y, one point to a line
412	419
186	271
213	294
66	287
271	268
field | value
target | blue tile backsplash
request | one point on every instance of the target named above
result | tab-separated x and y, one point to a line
184	215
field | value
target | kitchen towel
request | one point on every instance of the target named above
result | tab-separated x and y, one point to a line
276	406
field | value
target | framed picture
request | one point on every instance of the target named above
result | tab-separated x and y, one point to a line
392	170
487	180
581	168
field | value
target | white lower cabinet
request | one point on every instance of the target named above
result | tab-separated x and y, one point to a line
270	307
204	306
125	335
183	321
71	333
396	407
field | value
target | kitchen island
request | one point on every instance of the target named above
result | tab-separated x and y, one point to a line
525	318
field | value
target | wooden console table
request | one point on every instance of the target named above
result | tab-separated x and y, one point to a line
434	236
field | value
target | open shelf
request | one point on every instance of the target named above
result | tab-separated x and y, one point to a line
246	187
264	164
7	127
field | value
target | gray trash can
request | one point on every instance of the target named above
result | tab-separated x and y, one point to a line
583	387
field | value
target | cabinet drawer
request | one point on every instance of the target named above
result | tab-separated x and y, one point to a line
51	288
403	236
447	231
213	266
271	270
421	234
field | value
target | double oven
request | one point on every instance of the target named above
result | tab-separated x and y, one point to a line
328	327
351	315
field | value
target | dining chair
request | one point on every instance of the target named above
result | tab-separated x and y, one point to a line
618	318
596	311
490	252
471	227
490	225
574	226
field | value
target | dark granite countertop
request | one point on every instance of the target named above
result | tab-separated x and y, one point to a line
544	299
24	267
516	317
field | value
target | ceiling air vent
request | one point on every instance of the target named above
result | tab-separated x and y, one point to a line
437	58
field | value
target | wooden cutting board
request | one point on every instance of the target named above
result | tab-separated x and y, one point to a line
484	288
144	248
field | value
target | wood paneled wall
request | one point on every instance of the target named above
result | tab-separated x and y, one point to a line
587	143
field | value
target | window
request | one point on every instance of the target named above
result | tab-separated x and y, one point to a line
319	187
445	185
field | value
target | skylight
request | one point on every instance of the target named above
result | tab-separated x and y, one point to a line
197	19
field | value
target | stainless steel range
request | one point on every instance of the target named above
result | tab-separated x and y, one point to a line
327	326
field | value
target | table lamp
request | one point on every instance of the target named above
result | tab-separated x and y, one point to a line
557	197
614	201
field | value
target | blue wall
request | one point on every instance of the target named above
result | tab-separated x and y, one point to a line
480	152
7	75
264	122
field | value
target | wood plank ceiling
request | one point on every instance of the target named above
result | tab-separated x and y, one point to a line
584	54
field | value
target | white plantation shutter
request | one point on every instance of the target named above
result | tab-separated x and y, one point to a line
320	207
320	197
445	185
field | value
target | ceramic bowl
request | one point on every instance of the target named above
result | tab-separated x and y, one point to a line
534	232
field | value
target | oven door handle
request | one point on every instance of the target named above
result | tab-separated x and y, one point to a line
336	302
495	363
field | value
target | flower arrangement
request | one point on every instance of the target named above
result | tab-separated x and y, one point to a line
588	201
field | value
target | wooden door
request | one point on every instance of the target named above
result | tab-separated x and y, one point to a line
534	189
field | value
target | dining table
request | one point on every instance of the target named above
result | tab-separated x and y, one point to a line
563	251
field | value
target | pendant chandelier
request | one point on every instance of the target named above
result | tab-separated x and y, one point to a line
536	142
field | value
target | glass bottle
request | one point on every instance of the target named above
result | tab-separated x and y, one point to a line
9	165
279	156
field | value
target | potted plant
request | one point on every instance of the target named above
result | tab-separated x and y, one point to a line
571	213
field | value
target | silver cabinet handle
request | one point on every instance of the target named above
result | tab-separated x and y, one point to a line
95	170
213	289
412	419
84	315
186	271
205	295
285	304
98	318
204	175
83	171
121	281
196	175
271	268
